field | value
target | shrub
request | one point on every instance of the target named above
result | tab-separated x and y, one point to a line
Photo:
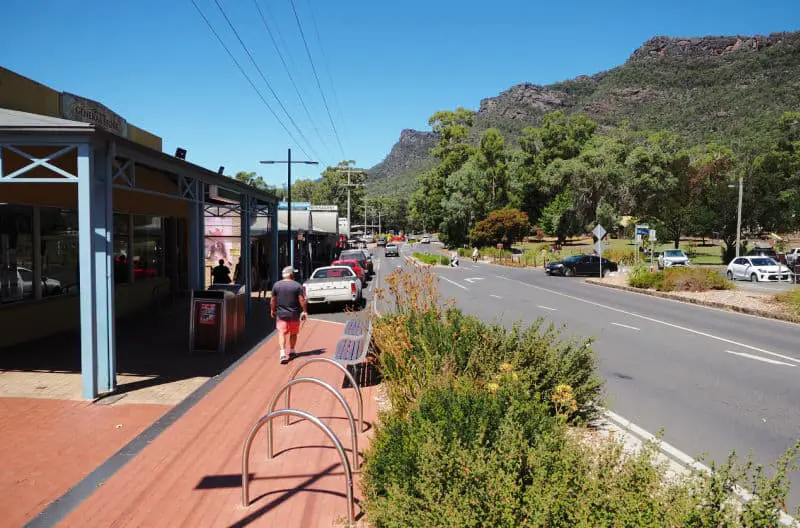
626	257
791	300
679	279
427	258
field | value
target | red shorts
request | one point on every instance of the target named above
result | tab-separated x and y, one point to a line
288	326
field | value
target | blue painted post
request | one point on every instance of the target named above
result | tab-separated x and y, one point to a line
196	229
95	246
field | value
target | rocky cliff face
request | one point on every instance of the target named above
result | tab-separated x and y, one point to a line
410	154
523	102
710	46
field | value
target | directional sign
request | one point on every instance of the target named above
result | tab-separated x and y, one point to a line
599	247
473	279
652	235
599	231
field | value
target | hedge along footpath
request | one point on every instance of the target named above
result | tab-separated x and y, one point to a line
431	259
479	434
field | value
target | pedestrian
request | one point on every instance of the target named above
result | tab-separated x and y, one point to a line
288	308
475	254
221	274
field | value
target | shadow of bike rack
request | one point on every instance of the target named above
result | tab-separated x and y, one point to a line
316	421
286	386
328	361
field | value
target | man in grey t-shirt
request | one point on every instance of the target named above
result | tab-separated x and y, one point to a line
288	307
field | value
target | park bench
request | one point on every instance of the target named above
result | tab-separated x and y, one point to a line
352	350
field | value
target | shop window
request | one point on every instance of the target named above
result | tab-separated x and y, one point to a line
148	247
16	252
59	251
122	252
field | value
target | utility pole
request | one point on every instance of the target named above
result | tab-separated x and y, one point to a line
349	185
288	161
739	216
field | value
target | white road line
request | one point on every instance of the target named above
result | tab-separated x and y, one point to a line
759	358
495	296
547	308
653	320
454	283
626	326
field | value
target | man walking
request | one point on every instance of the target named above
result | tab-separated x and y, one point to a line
288	307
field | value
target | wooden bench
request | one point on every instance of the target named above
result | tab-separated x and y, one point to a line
352	350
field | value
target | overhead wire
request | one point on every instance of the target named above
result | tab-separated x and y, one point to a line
289	73
249	80
264	78
316	77
325	63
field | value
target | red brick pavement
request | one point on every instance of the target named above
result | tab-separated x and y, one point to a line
47	446
190	475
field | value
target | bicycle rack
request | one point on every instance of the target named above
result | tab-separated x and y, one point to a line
330	389
316	421
287	402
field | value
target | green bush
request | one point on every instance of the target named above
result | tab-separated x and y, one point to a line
679	279
432	259
790	299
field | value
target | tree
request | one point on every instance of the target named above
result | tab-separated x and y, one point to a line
559	218
491	159
505	226
250	178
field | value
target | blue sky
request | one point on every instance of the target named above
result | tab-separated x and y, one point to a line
384	66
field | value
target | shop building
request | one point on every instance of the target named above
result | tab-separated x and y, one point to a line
97	223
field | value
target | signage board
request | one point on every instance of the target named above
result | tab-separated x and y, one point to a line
296	206
599	247
642	229
77	108
599	231
652	235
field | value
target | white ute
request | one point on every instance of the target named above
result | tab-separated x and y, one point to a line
333	285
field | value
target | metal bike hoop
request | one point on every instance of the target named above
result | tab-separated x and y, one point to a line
348	472
329	361
336	393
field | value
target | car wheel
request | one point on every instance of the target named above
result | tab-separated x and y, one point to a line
729	275
753	278
569	272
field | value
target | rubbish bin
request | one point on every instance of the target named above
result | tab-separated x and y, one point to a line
216	317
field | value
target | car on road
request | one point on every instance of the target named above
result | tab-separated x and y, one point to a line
358	255
382	242
331	285
672	257
370	269
355	266
391	250
425	240
793	257
587	265
757	269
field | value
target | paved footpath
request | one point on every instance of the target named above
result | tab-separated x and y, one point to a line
190	475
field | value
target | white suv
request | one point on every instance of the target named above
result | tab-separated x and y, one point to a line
672	257
793	257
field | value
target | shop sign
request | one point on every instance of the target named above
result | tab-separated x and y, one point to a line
77	108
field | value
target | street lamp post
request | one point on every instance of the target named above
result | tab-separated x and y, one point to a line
288	161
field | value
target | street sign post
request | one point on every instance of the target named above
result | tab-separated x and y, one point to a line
599	231
640	231
652	237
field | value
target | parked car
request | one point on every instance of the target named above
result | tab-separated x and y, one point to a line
370	269
355	266
391	250
672	257
793	257
382	242
763	252
581	265
333	285
756	269
358	255
425	240
50	286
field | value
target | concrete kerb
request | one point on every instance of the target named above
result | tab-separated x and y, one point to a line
700	302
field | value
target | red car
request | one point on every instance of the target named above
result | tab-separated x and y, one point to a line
353	264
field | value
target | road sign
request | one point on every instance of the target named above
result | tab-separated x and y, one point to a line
599	247
638	238
599	231
652	235
642	229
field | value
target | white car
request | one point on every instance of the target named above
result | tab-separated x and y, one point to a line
756	269
793	257
672	257
425	240
333	285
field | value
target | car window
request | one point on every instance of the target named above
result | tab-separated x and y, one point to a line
573	259
763	262
740	262
27	275
673	253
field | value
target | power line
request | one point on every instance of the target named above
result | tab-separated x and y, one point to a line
319	85
264	78
327	68
249	80
289	73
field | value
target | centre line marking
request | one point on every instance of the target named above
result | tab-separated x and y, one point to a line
454	283
495	296
546	308
653	320
626	326
759	358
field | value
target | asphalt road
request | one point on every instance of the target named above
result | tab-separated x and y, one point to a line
714	381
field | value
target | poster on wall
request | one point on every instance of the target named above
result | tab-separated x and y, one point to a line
208	314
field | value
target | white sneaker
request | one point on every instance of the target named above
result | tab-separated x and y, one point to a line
284	357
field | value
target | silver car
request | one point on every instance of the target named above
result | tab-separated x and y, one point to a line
672	257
